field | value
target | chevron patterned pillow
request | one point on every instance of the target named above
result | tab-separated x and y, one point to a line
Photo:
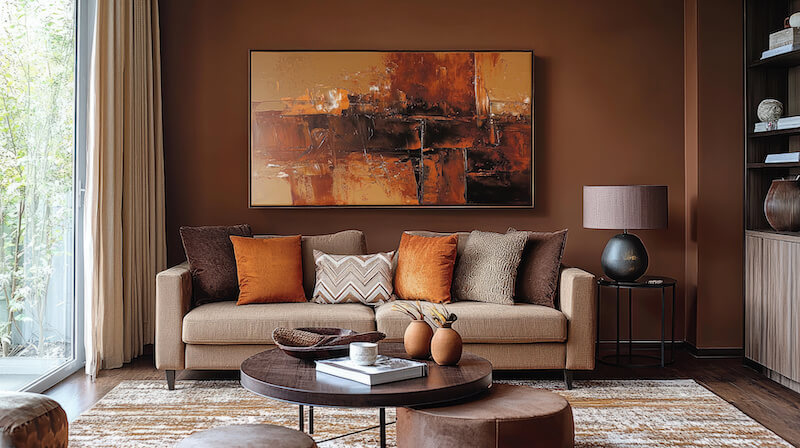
353	278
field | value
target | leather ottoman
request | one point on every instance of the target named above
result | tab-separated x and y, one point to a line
248	436
32	420
507	416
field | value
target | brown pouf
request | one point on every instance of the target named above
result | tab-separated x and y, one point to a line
249	436
32	420
507	416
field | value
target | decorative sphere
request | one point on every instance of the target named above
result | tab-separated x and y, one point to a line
769	110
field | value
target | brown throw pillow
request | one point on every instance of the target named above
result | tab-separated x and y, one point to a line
487	269
537	280
210	255
425	268
269	270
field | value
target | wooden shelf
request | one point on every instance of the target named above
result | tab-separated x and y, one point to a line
773	165
774	234
790	59
791	131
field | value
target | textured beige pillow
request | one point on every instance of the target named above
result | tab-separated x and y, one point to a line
487	270
353	278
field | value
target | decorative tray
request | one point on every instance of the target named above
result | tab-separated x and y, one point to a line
312	343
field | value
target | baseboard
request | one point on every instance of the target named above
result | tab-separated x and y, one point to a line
610	344
714	352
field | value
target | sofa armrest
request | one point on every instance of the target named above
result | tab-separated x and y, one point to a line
577	294
173	298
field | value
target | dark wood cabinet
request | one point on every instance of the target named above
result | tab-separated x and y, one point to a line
772	259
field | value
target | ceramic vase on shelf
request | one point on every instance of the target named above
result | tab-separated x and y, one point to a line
446	346
417	339
782	205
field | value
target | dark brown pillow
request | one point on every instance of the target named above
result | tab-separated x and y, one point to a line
537	277
210	254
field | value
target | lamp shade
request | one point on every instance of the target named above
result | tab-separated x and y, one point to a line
625	207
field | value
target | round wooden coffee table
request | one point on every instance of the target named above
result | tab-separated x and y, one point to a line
277	375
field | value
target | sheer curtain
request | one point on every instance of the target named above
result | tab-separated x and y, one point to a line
124	201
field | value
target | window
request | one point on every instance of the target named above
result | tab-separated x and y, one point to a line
38	308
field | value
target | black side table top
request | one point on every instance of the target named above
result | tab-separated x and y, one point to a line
643	282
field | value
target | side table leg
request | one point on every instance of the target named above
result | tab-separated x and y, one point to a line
617	352
301	421
663	326
311	419
382	423
630	325
672	333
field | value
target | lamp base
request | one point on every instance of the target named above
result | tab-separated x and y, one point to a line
624	259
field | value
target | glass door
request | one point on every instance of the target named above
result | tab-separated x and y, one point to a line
38	307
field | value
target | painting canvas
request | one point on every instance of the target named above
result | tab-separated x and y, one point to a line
423	129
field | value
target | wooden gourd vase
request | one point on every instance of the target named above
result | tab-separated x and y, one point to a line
446	346
417	339
782	205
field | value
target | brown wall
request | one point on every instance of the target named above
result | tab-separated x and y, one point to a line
608	110
720	210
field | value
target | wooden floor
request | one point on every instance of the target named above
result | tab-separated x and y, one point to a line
771	404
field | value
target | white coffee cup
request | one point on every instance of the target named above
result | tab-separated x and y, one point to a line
363	353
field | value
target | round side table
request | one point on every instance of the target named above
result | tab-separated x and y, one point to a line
646	282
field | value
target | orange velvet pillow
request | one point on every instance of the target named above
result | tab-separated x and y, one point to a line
270	270
425	267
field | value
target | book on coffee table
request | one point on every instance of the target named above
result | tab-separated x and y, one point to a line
385	370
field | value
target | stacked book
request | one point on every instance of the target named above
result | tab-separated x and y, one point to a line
784	157
783	123
385	370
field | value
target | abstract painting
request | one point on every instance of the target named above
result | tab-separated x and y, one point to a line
369	128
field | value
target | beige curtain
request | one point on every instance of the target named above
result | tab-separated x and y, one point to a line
124	241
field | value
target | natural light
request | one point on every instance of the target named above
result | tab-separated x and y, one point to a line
37	141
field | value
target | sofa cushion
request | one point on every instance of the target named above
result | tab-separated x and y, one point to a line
211	261
363	279
346	242
488	267
225	323
425	268
540	266
488	323
269	270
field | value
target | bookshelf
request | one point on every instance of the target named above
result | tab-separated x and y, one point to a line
772	258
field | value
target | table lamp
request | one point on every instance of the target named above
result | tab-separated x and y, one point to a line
625	207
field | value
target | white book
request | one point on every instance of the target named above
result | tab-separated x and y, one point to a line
385	370
784	157
779	50
783	123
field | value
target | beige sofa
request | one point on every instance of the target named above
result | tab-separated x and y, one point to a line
220	335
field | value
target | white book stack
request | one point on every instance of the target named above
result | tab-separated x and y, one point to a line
784	157
385	370
783	123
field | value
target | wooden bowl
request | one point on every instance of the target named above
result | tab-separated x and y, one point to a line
321	352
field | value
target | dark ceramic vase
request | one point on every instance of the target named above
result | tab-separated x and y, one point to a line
624	259
782	205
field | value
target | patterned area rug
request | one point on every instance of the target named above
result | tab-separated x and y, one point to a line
612	413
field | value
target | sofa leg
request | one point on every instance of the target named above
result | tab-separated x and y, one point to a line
568	379
170	379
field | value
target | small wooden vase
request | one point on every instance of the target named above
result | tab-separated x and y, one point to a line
417	339
446	346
